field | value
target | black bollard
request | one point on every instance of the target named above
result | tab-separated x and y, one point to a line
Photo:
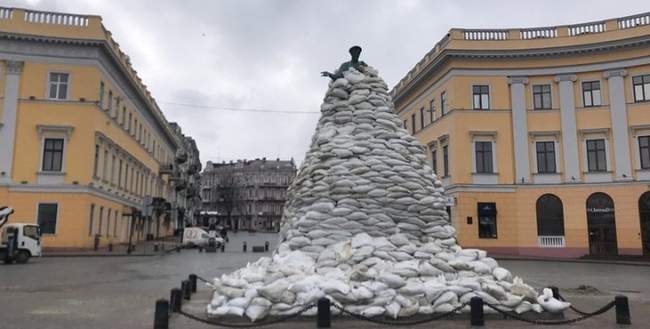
223	247
187	290
324	318
175	300
622	310
266	246
155	247
110	247
244	246
556	292
476	305
193	282
161	316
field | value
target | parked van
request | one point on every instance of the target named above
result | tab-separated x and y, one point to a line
198	237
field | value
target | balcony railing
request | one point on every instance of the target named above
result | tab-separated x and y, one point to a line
578	29
551	241
633	21
44	17
6	13
486	34
537	33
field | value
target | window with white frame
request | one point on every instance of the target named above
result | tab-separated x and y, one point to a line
432	109
53	154
591	93
110	101
545	155
641	87
542	97
101	93
443	103
445	160
596	155
422	118
483	157
58	85
644	151
481	97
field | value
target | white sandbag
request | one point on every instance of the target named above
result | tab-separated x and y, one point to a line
273	292
392	309
333	285
501	274
446	298
360	240
373	311
391	280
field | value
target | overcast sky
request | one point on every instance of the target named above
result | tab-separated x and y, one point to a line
268	54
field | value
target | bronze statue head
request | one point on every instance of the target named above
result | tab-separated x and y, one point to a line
355	51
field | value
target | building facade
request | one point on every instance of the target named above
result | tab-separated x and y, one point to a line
83	144
541	135
247	194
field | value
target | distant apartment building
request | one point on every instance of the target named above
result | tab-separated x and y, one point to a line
85	151
541	135
246	194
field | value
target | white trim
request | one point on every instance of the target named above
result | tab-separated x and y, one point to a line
471	93
48	86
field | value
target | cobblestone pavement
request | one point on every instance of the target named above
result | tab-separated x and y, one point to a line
120	292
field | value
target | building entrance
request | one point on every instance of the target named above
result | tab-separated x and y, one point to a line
601	225
644	217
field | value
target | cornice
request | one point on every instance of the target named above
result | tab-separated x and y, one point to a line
516	53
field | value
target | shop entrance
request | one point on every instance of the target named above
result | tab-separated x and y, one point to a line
601	225
644	217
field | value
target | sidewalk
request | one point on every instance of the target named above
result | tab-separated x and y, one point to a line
142	248
614	260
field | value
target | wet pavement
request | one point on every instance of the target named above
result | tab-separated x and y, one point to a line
120	292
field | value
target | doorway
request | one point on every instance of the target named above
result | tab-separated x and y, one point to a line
644	218
601	225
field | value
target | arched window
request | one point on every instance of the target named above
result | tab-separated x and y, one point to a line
550	216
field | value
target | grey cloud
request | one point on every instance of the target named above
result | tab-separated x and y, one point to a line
268	54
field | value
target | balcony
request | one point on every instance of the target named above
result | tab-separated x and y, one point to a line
181	157
166	169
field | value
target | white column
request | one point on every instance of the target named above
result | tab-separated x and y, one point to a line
520	129
620	134
569	130
8	119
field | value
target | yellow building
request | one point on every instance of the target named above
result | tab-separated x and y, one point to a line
82	142
541	135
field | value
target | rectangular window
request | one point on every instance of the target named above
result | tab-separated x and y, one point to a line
591	93
434	161
443	103
545	157
487	220
108	222
644	151
483	157
113	170
422	118
105	169
119	175
58	85
101	94
101	220
432	110
128	127
123	121
542	97
413	123
481	97
110	101
641	86
117	107
596	155
47	217
52	154
96	164
91	219
115	224
445	160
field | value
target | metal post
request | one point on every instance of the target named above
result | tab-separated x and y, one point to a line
161	316
223	247
193	282
175	300
622	310
187	290
556	292
266	246
476	305
244	246
323	319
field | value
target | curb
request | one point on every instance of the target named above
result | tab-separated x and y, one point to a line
159	253
569	260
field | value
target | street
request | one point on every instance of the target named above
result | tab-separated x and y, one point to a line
120	292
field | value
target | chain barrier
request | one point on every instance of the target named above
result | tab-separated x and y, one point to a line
248	325
573	308
516	316
398	323
204	280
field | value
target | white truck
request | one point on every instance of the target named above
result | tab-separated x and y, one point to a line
198	237
18	241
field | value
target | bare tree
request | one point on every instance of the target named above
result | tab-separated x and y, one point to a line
230	189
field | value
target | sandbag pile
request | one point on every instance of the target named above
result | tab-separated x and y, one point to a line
365	225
